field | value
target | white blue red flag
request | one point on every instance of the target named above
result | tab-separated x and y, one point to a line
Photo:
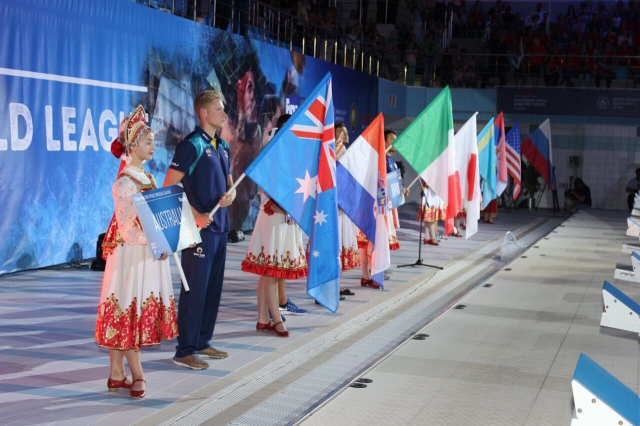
513	159
362	192
537	149
297	169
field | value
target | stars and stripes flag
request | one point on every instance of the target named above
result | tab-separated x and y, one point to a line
513	159
297	169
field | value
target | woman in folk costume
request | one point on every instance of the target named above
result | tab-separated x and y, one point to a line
459	222
393	220
431	210
349	251
349	255
137	307
276	253
491	211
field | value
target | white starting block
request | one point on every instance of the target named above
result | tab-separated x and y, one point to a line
635	212
633	227
620	311
601	399
630	248
629	272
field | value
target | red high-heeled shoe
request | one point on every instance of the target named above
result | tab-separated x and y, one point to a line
280	333
260	327
114	385
138	393
369	283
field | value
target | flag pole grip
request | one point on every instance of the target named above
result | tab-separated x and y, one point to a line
182	277
235	184
414	181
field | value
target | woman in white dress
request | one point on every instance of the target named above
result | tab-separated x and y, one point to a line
349	251
277	254
137	307
432	209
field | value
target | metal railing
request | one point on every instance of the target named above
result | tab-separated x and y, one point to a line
481	70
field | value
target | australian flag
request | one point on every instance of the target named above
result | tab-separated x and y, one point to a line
297	169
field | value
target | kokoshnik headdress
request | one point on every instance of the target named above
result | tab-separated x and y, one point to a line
132	129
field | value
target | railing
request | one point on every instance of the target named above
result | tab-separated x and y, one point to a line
268	24
481	70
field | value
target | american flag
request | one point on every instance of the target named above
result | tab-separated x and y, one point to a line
513	158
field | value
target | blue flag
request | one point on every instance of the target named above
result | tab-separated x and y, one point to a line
297	169
487	163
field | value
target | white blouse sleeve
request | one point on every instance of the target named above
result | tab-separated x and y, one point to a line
126	215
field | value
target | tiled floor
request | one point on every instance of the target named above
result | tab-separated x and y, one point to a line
509	356
51	371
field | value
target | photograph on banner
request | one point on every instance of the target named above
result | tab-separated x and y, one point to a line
64	125
394	185
167	220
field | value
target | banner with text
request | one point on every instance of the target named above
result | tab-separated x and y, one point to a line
72	69
569	102
166	219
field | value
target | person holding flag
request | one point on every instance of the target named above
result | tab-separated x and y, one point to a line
201	163
393	220
431	210
466	145
349	251
487	159
428	146
362	196
296	169
276	253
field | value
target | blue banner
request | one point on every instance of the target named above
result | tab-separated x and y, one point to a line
394	183
166	219
71	70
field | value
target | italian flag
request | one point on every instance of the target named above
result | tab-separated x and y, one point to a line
428	146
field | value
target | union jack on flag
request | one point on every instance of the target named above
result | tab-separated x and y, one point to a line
297	169
513	158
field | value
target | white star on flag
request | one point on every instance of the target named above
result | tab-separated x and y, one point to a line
320	218
316	253
307	186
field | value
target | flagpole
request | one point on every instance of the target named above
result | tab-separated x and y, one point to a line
419	261
233	187
182	277
414	181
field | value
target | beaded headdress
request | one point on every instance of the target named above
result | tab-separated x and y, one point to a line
132	129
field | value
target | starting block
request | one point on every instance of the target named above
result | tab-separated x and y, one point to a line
630	248
620	311
636	211
601	399
633	227
629	272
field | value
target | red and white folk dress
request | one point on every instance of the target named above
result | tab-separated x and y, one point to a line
276	249
137	307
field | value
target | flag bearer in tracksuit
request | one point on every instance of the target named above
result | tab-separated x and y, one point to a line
201	163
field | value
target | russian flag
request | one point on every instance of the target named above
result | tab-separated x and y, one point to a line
537	149
361	176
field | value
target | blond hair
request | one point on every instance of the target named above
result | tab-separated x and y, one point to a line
205	98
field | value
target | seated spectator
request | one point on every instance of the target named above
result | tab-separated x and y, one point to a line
577	198
470	79
633	187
